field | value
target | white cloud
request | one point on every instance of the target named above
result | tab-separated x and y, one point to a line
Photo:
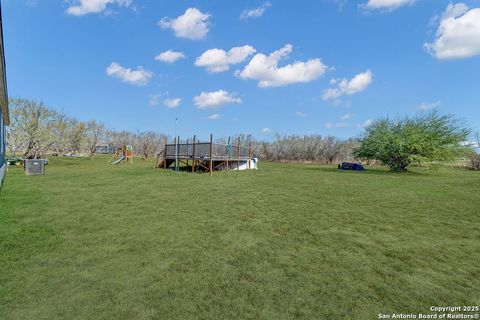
170	56
266	71
153	100
348	87
336	125
340	4
172	103
83	7
217	60
346	116
458	35
266	130
255	13
343	104
428	106
387	5
32	3
215	99
301	114
214	116
337	102
139	77
193	24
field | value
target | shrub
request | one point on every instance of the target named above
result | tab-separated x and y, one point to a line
413	140
474	159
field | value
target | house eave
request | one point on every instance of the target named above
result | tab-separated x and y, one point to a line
3	78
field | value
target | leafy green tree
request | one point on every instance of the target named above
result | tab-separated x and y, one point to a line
413	140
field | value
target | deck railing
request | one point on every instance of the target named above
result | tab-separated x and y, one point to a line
202	150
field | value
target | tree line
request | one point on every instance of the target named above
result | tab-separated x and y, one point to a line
307	148
37	130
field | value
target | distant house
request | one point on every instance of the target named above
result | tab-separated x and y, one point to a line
4	115
105	149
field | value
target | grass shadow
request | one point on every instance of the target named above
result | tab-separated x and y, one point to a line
368	171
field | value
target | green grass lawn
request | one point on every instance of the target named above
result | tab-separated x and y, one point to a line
94	241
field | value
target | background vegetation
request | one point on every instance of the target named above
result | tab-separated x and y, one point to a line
423	138
38	130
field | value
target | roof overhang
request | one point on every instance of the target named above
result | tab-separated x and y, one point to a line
3	77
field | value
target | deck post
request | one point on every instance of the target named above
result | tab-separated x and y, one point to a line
177	157
228	152
187	157
249	153
175	153
238	154
211	154
165	154
193	154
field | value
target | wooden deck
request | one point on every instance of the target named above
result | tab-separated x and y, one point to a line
204	156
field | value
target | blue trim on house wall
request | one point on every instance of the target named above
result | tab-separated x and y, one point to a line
2	153
3	169
3	144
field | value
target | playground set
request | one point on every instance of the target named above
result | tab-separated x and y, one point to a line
200	156
124	153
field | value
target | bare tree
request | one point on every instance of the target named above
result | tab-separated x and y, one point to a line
332	147
94	132
60	133
33	125
474	154
306	148
120	138
16	141
76	136
69	135
149	143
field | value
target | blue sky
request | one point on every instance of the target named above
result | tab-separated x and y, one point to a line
297	67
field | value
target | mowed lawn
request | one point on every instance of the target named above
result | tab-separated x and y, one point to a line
94	241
